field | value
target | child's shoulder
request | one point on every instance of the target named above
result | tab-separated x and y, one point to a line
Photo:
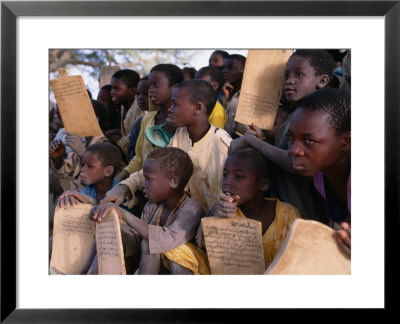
193	205
285	210
221	138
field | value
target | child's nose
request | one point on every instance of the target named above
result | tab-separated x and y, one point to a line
290	79
295	148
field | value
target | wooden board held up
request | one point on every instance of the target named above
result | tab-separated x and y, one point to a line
73	235
75	106
310	249
234	245
106	73
262	87
110	253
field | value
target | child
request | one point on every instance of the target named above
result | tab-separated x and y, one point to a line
319	149
123	84
245	181
306	72
233	73
170	218
163	79
104	96
207	146
216	78
142	97
100	164
217	58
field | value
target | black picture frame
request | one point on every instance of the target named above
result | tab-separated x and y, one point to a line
10	10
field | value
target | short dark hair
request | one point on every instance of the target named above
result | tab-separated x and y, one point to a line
320	60
173	73
215	74
100	112
108	154
336	103
224	54
174	162
190	71
238	57
200	91
106	87
129	77
256	161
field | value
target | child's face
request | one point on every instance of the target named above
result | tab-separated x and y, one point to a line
92	170
182	110
240	179
104	97
159	90
232	70
120	93
156	185
142	95
300	79
313	144
216	60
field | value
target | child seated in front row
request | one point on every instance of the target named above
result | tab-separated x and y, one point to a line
170	218
245	181
320	150
100	164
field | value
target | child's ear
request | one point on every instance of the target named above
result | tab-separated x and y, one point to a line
215	85
108	171
198	108
174	182
264	184
323	81
132	91
346	141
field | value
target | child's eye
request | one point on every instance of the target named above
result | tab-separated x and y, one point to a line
310	141
239	177
298	74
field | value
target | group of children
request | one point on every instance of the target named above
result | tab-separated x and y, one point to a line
186	158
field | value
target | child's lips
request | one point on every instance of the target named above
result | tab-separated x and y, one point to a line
290	90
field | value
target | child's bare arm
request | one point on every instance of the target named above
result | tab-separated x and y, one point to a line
70	198
116	195
272	153
98	212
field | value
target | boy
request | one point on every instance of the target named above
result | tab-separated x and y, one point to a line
245	181
169	219
216	78
306	71
100	164
142	97
217	58
163	79
319	149
233	74
192	103
123	90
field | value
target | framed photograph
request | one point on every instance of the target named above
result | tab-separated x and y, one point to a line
29	29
